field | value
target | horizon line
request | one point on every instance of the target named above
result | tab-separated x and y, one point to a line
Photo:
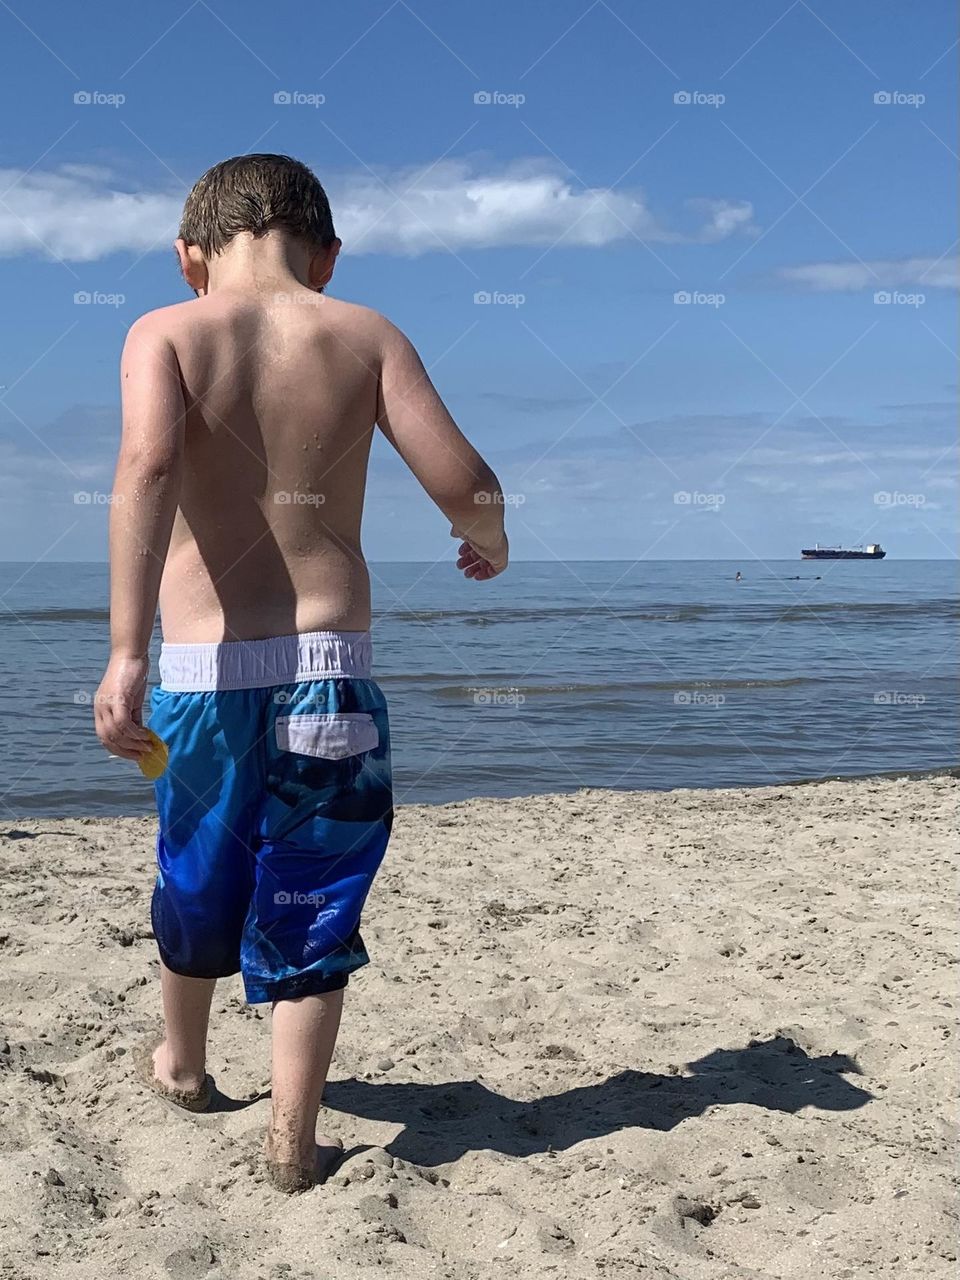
795	559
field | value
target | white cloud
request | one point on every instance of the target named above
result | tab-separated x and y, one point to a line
77	213
724	218
899	273
450	206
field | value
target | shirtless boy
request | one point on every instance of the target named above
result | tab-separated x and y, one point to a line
248	415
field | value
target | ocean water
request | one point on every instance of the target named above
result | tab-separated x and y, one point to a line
654	674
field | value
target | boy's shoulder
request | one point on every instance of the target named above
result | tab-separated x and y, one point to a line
180	317
354	316
164	322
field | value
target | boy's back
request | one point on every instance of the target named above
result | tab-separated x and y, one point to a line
281	398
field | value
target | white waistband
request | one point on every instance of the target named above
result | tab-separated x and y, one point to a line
260	664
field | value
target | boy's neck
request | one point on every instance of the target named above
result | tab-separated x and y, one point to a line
273	261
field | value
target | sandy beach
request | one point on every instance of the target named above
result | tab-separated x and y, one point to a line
693	1035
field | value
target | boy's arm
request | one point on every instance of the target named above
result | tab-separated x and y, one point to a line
416	422
145	494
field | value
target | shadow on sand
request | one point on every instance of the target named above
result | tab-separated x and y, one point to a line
443	1121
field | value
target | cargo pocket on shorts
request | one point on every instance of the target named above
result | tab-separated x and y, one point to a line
328	737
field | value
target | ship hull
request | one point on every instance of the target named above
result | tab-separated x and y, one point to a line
819	554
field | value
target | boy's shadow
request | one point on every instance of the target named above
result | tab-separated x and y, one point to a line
443	1121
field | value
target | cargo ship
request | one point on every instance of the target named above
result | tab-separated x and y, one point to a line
872	552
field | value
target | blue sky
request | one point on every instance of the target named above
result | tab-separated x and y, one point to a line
618	156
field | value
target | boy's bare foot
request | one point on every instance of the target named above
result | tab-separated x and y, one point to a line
192	1092
292	1169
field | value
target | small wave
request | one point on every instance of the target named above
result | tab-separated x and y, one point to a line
741	612
609	688
589	608
13	617
873	611
755	612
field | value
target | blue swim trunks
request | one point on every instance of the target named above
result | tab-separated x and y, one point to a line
275	809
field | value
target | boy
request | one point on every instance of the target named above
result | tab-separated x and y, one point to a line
248	415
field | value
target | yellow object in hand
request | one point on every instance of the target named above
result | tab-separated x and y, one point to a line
153	763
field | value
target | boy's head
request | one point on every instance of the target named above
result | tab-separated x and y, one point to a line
256	194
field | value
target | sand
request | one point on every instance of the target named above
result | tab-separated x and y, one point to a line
695	1034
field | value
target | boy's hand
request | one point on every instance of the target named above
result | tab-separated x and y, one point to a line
118	708
481	565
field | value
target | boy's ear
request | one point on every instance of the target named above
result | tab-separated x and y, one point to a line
192	266
322	265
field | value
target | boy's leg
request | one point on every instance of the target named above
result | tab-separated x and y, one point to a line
304	1035
180	1059
204	861
324	826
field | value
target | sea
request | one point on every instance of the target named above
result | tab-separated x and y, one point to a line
556	676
